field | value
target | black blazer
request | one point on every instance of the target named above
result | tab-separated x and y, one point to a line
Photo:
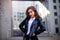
36	26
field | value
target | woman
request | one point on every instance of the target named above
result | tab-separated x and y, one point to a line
32	23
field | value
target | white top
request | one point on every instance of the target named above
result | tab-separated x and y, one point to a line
29	24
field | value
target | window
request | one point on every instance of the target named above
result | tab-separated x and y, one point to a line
55	7
59	1
56	21
14	15
59	6
18	19
57	30
0	5
0	2
55	13
42	0
54	1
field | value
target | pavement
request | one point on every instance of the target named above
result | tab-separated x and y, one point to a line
54	37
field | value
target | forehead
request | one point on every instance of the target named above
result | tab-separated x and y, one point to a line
30	10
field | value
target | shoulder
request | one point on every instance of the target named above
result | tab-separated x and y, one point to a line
39	19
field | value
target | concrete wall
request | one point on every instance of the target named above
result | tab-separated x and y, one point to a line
6	19
51	18
0	13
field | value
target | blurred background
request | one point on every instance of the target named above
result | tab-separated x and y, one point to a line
12	13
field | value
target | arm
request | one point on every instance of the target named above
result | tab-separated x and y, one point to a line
22	24
41	29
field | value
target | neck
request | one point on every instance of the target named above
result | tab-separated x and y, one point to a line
32	17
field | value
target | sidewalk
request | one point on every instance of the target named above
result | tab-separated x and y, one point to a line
54	37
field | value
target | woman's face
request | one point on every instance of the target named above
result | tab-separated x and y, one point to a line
31	13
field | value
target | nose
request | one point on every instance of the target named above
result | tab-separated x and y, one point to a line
30	13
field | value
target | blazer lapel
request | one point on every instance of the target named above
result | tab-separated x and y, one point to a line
34	23
33	26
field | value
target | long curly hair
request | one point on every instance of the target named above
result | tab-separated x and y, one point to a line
35	11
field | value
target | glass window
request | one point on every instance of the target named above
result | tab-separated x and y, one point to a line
57	29
56	21
55	7
42	0
59	6
14	15
18	19
54	1
55	13
59	1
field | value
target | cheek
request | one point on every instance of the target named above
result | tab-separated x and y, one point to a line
30	13
33	13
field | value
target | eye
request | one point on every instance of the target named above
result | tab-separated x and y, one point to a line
30	12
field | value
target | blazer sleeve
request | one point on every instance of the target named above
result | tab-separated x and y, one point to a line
22	24
41	29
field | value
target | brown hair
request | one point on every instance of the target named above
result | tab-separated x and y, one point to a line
35	11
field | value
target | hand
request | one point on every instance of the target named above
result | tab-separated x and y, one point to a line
33	34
